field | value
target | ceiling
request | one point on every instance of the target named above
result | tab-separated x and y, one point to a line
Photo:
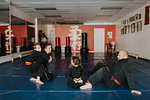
4	12
78	11
18	21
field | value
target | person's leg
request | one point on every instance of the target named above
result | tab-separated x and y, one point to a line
94	79
97	76
33	74
40	71
38	80
33	79
97	67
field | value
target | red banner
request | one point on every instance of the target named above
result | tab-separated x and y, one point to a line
146	15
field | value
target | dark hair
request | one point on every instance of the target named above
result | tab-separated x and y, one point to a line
76	60
35	44
46	45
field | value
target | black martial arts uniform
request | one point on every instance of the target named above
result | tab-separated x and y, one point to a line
31	60
118	74
34	56
76	72
41	65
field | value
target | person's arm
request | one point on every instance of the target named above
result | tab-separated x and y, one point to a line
85	75
50	59
68	74
130	80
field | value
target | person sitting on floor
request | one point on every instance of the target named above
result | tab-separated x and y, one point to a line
76	75
116	75
41	65
31	60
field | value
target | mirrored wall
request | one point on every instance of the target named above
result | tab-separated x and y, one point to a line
16	34
23	35
4	28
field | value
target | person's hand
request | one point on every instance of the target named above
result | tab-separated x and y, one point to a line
80	81
50	59
135	91
75	80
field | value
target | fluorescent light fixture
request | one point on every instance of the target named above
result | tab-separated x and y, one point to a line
45	8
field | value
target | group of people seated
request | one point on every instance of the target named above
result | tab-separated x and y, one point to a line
79	77
37	63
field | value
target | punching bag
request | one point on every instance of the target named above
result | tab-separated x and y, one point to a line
13	45
57	45
84	49
84	40
67	41
25	43
2	44
67	48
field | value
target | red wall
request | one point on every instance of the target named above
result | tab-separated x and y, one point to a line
19	31
2	29
62	31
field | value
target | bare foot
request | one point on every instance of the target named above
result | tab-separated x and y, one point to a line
87	86
39	82
33	79
135	91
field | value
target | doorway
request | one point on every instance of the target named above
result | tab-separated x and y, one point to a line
99	39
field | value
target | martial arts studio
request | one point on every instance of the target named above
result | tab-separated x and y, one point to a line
93	30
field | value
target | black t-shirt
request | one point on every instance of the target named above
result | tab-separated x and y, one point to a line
77	72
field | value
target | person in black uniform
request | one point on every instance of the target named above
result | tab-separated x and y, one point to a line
116	75
31	60
42	62
76	75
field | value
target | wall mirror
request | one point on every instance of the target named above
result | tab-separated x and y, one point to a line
4	28
23	35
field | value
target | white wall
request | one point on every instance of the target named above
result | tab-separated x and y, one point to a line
137	42
49	31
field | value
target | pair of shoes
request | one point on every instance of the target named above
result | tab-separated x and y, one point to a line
87	86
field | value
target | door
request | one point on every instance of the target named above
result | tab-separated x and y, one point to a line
99	39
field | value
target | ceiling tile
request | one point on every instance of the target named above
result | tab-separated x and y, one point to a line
79	10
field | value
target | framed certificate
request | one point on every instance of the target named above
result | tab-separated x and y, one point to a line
132	27
139	26
122	31
129	28
125	29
